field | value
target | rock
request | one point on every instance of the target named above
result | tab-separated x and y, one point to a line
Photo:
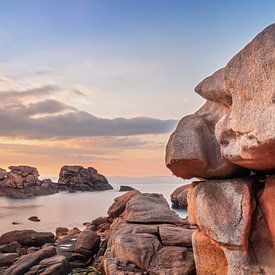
66	247
179	196
267	205
125	188
3	173
10	247
23	182
136	248
24	263
61	232
246	131
118	207
174	235
56	265
27	237
209	258
73	232
34	219
113	266
188	155
172	260
223	209
150	208
7	259
87	243
78	178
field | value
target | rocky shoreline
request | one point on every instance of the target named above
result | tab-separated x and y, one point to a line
131	239
23	181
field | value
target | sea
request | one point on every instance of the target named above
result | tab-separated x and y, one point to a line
73	209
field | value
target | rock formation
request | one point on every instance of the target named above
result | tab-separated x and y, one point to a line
230	145
140	235
22	181
77	178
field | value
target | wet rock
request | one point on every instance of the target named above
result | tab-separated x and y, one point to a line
10	247
73	232
150	208
24	263
87	243
27	237
34	219
78	178
61	232
56	265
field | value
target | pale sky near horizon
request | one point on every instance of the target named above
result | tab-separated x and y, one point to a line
103	82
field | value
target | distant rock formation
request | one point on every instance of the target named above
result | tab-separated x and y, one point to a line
179	197
78	178
230	143
22	181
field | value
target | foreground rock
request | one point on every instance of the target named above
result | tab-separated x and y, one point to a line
22	181
231	137
78	178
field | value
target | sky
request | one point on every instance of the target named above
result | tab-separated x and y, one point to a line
103	83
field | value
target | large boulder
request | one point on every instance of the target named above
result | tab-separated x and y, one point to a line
179	196
78	178
246	132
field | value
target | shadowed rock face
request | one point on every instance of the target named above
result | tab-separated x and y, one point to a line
236	126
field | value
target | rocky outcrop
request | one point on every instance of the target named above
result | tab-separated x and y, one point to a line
230	143
179	197
78	178
148	237
23	181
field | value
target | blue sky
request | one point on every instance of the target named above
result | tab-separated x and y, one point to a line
125	58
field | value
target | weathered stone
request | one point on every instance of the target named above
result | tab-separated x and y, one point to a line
61	232
87	243
125	188
27	237
24	263
118	207
7	259
223	209
179	196
175	235
10	247
150	208
209	258
136	248
172	260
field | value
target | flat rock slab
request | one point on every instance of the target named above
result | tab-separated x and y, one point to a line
150	208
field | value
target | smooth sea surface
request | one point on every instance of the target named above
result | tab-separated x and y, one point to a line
72	209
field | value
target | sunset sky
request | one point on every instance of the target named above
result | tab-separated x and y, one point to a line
103	82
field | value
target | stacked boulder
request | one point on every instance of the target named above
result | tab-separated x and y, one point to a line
78	178
230	145
23	181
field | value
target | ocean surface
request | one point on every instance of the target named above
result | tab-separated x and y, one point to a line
72	209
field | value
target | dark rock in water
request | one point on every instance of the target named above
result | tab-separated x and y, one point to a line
61	232
23	182
27	237
78	178
125	188
16	223
34	219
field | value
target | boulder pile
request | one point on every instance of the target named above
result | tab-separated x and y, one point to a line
229	144
78	178
23	181
140	235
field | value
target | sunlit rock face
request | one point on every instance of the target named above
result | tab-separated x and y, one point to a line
236	126
246	133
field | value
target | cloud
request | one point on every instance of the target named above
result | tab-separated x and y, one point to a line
18	121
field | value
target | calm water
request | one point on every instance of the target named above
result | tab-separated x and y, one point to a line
72	209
